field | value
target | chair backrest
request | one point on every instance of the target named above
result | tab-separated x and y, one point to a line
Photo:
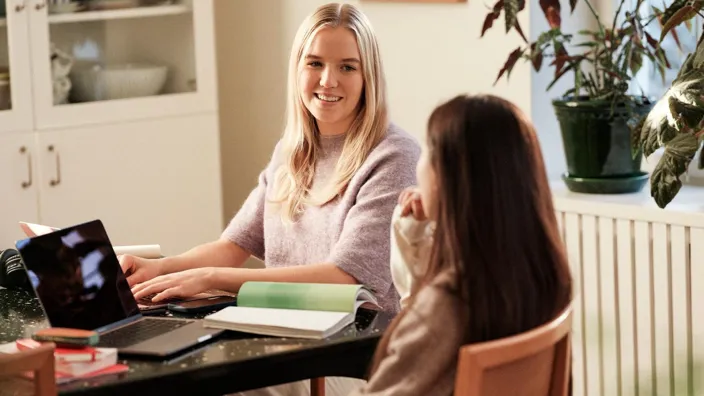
533	363
39	360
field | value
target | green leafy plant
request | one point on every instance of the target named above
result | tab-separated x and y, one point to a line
677	119
603	61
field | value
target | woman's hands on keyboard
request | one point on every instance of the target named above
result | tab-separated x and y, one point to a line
178	284
138	270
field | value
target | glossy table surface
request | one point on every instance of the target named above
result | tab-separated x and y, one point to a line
233	362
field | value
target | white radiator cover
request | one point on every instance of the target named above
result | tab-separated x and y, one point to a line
639	292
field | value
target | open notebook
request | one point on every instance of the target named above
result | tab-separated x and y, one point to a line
297	310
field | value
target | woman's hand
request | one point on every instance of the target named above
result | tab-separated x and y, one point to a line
138	270
410	203
178	284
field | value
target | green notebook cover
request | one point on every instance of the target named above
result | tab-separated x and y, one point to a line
306	296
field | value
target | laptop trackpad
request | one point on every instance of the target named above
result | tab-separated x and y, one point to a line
173	341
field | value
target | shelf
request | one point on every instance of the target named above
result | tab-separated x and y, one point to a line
137	12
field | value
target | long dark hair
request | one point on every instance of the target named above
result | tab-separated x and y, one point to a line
495	222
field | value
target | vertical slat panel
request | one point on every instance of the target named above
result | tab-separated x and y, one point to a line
643	305
680	340
573	244
561	224
607	304
626	307
661	296
696	309
590	294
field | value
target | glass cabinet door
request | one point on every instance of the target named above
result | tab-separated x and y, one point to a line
15	84
105	50
5	85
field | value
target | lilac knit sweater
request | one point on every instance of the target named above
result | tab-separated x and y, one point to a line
352	231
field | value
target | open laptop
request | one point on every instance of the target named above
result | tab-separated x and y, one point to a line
78	280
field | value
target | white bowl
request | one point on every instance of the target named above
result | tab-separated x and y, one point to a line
117	81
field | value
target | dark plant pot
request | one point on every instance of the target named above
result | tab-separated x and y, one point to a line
597	145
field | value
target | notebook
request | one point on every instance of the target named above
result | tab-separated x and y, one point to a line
296	310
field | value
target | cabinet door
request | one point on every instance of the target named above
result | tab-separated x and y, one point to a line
18	179
95	63
150	182
15	83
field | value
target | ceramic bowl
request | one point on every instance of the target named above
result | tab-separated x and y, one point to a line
116	81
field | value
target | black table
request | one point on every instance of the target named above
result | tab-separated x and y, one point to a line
233	362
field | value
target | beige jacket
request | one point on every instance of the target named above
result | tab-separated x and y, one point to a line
422	351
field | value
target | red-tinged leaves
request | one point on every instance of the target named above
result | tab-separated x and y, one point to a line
660	53
688	24
651	41
492	16
561	56
510	63
676	37
551	9
520	31
681	15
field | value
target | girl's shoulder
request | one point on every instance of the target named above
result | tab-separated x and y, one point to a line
440	299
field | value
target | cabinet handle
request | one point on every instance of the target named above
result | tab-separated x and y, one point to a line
28	182
57	180
19	7
39	6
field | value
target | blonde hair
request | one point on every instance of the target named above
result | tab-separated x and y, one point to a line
300	145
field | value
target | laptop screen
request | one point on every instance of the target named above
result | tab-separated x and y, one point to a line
77	277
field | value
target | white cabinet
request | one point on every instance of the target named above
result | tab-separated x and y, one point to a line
18	181
134	141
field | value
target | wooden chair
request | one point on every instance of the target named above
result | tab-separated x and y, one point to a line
39	360
534	363
317	386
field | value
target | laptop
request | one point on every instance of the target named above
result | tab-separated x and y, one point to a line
76	276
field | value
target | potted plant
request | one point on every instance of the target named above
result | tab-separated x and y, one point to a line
676	121
597	114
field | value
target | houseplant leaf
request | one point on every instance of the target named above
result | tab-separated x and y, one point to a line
664	181
536	57
683	14
551	9
689	115
510	10
510	63
636	125
492	16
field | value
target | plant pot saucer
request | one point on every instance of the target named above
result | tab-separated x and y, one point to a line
606	185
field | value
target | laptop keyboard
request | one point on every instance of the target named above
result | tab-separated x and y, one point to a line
139	331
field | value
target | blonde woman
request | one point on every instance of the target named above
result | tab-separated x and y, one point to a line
323	206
